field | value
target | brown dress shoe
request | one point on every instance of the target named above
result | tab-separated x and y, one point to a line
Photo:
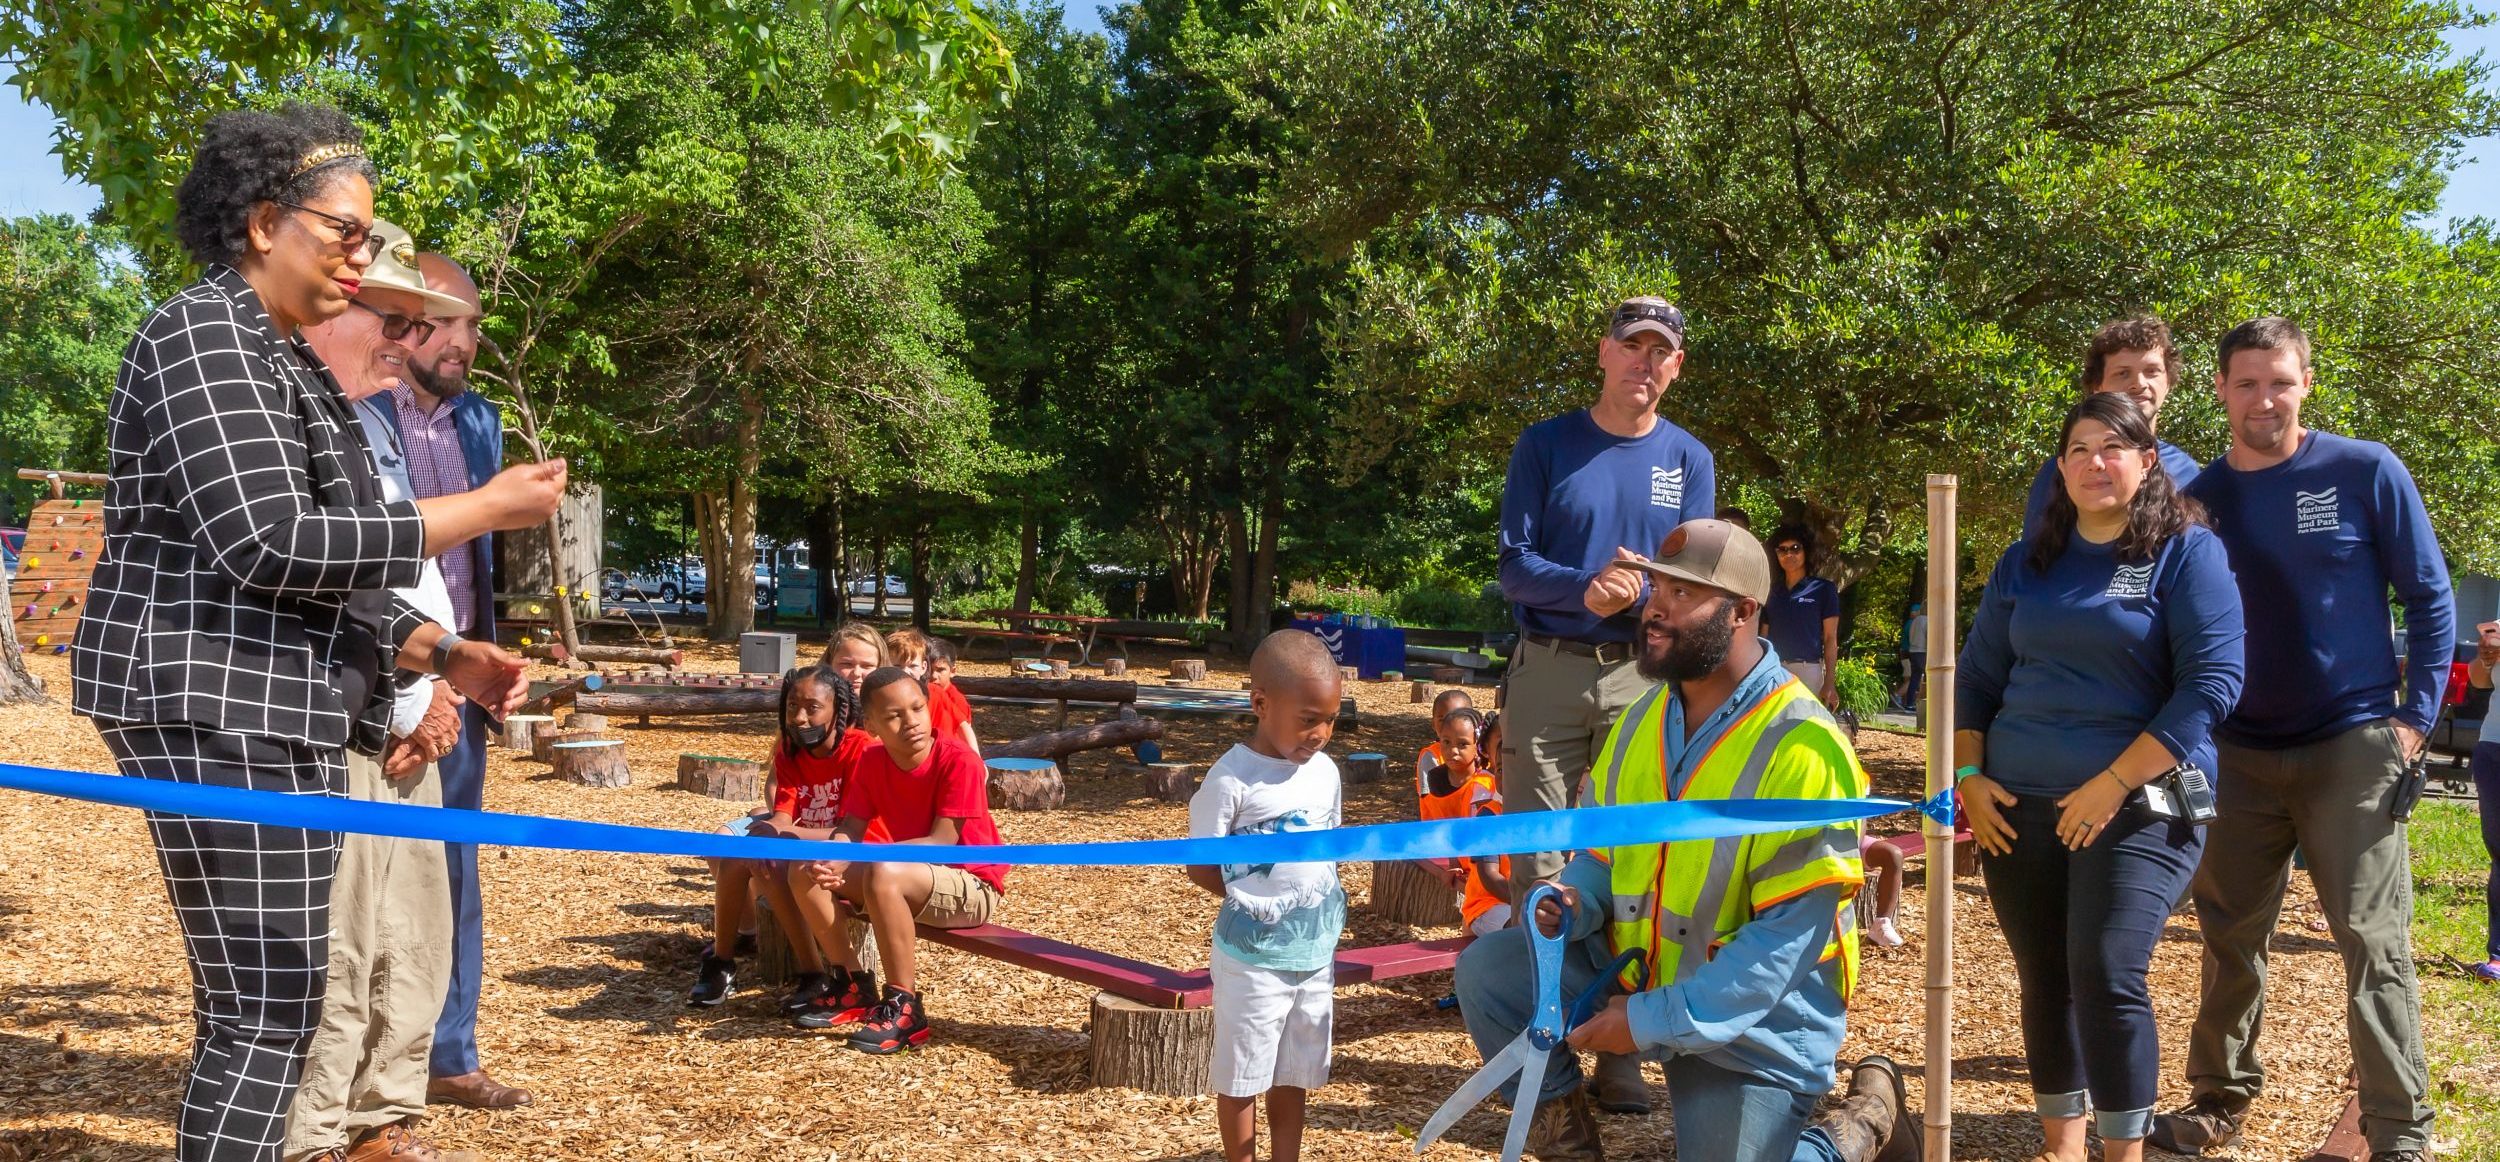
476	1091
397	1142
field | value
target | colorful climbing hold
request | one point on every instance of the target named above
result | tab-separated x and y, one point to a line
525	641
74	554
62	649
43	639
34	562
559	590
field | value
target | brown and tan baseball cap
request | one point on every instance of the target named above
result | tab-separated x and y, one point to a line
1649	314
1713	553
395	268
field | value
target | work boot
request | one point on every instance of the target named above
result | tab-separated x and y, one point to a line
2207	1123
1620	1087
398	1141
1563	1130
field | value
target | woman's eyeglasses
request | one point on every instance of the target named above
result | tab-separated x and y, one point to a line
397	328
357	237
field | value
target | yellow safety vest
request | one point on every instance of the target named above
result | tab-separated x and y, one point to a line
1681	901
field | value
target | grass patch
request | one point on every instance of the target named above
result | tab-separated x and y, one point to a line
2460	1018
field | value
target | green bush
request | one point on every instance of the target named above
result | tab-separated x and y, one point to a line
1861	688
1446	606
964	605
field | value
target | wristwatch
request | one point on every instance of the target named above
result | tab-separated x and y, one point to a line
442	650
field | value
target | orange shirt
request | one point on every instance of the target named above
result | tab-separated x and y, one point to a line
1477	796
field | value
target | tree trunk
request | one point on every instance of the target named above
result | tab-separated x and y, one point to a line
1189	670
1028	556
876	569
837	555
591	762
630	655
1403	893
1064	689
622	704
544	740
1059	744
17	684
1164	1051
919	568
1172	782
1262	589
740	780
1040	789
1239	628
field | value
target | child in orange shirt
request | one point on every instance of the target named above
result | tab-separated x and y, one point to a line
1458	788
950	713
1430	756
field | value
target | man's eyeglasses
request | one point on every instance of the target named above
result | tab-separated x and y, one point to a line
358	237
398	328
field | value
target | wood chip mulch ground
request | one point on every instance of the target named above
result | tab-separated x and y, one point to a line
588	959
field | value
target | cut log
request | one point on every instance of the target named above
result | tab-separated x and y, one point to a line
563	695
664	703
1393	677
1190	669
582	721
1114	667
1448	675
1059	744
1403	893
1366	767
1164	1051
1172	782
1419	692
520	730
1026	784
592	762
1059	667
740	780
615	655
1349	673
774	964
1070	689
542	744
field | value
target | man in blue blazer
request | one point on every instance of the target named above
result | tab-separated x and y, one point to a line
453	439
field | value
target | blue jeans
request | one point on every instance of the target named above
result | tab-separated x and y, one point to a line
1718	1114
2082	926
2485	764
464	786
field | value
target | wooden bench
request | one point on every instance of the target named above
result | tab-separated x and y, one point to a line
1008	637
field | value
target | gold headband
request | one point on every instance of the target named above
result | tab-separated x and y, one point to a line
324	156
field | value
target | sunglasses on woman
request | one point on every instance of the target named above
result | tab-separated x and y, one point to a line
357	237
397	327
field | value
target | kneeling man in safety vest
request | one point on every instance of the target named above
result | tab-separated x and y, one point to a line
1752	941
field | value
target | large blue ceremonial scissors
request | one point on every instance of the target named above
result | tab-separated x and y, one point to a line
1529	1053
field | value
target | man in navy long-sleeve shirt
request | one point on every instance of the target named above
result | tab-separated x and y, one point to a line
2136	357
2320	528
1588	489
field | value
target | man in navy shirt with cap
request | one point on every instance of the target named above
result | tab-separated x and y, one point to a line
1585	490
2319	528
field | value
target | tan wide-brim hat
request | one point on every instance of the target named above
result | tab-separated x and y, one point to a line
1713	553
395	268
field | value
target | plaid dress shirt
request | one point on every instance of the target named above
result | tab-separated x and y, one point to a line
437	467
248	554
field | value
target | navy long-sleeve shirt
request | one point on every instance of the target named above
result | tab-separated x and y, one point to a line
2064	668
2174	460
1575	494
2317	542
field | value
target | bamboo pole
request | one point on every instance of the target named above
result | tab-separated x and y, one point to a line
1942	576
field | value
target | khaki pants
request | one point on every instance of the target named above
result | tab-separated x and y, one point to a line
1556	710
390	964
2330	799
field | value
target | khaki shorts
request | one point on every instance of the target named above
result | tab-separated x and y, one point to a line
957	899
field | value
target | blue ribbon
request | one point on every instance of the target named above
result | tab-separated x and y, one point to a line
1432	839
1938	807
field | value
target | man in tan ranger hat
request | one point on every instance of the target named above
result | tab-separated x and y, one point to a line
1751	941
364	1080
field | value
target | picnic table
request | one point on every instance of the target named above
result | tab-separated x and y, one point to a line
1080	631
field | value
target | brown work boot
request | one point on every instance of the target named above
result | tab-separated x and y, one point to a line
398	1142
1564	1130
1620	1087
2207	1123
475	1090
1873	1122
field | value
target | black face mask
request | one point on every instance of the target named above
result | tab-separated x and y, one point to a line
811	737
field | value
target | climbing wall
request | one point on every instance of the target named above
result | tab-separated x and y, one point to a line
50	589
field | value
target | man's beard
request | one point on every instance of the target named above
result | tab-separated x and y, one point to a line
436	384
1693	653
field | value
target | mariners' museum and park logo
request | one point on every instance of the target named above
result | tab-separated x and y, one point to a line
1666	489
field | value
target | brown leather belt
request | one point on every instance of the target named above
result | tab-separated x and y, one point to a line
1605	653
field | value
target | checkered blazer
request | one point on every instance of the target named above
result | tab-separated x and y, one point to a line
248	554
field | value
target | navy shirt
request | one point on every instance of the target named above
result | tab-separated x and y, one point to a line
2317	542
2175	461
1574	495
2064	668
1794	618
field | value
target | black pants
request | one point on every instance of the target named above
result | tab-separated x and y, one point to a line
2082	926
254	906
2485	765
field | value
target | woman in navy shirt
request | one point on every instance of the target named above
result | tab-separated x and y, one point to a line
1803	617
2104	651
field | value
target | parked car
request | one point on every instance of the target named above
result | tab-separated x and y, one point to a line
867	586
766	589
667	583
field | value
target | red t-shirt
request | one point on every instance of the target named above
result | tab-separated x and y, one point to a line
949	711
951	783
810	790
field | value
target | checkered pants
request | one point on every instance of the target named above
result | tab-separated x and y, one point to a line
254	906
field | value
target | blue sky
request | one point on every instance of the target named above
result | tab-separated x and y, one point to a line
31	180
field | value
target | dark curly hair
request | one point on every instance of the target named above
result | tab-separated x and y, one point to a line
245	158
845	704
2159	511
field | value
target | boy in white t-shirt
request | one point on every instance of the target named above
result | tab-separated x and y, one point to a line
1276	935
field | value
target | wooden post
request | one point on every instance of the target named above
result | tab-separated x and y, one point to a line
1189	670
592	762
774	964
1942	586
1114	667
1419	692
542	744
1403	893
1366	767
1164	1051
721	778
520	731
581	721
1172	782
1026	784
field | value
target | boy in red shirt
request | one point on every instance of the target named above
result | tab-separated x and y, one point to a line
922	789
950	713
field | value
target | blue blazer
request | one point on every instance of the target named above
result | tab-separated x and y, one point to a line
480	424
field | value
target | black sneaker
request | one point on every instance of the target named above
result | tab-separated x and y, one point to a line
2208	1123
2400	1156
713	982
805	991
847	1003
898	1024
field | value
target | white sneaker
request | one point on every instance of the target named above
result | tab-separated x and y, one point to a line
1884	933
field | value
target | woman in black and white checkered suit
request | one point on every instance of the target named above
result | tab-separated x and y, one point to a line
239	630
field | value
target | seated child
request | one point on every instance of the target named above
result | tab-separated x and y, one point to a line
819	712
856	649
1274	961
1430	756
950	713
907	649
1458	788
919	788
1883	873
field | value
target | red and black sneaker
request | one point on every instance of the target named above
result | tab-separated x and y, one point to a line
898	1024
852	998
805	991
